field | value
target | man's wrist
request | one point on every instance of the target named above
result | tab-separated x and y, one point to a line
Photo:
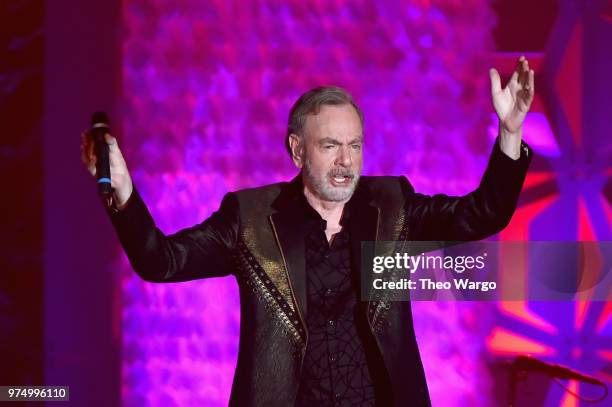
122	199
510	142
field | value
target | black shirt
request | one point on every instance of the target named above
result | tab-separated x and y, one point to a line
335	370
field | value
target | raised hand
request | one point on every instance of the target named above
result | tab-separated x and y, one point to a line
121	182
512	104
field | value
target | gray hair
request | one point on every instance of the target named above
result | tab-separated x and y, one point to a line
311	102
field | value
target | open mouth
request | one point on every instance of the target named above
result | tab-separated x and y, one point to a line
341	180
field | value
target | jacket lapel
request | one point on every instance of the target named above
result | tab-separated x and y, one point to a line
290	234
363	227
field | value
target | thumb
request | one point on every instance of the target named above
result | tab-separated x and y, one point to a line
495	81
111	141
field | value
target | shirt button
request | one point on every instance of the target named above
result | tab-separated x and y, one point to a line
329	291
331	323
332	358
337	396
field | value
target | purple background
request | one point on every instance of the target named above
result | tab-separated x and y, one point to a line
199	94
208	89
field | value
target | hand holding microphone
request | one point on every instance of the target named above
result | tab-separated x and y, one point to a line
101	155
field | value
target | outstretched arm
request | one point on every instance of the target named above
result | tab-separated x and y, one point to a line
477	215
489	208
204	250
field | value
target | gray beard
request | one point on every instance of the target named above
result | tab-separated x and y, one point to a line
327	192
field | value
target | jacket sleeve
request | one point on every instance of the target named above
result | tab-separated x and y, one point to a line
479	214
201	251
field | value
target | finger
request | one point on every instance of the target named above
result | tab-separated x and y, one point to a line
519	63
518	70
525	73
88	155
495	81
112	142
89	160
87	135
531	82
86	139
116	158
513	78
90	152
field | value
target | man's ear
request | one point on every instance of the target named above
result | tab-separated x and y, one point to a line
297	149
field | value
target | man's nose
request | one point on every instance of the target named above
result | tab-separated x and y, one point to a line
344	158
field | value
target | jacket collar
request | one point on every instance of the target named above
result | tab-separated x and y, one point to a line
289	221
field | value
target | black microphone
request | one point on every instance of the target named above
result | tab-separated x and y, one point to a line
527	363
100	125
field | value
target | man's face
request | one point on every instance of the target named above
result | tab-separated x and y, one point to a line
332	155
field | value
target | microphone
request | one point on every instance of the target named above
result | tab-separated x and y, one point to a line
100	125
527	363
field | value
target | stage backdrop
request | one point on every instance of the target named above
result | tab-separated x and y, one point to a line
207	89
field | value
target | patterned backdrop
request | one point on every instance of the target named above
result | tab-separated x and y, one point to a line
208	86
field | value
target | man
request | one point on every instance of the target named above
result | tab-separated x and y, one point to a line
306	337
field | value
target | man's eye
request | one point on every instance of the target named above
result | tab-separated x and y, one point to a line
328	146
356	147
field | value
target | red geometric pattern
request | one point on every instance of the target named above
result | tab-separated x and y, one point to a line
564	198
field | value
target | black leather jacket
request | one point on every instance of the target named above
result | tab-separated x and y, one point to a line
256	237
